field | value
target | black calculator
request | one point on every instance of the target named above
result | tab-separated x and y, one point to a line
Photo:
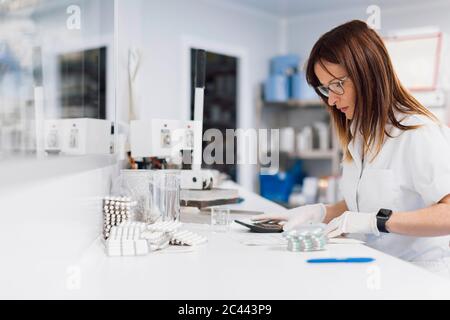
263	227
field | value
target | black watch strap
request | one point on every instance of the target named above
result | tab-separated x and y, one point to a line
383	217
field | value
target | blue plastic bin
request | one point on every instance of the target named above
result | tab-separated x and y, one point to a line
280	65
300	89
277	89
279	187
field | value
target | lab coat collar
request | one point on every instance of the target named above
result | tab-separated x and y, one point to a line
355	146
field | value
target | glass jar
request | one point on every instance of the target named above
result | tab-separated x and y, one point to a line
166	195
135	184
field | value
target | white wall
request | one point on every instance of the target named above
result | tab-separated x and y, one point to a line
96	30
160	29
304	31
162	25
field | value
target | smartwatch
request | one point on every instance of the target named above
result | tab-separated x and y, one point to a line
382	218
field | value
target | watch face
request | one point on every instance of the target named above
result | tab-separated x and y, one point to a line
382	218
385	213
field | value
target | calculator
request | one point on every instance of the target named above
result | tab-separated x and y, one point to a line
262	227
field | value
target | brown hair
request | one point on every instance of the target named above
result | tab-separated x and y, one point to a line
379	93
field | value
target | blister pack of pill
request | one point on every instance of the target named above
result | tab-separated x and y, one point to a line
139	239
157	240
187	238
167	226
126	240
116	210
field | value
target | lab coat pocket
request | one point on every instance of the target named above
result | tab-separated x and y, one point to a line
378	189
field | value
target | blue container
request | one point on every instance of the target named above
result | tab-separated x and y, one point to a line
276	89
300	89
280	65
279	187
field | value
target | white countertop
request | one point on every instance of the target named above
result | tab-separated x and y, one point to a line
225	268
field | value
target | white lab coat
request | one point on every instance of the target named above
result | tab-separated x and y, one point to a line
412	171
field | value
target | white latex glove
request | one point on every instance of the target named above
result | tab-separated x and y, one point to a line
296	217
353	222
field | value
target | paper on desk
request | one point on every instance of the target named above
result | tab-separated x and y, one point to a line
345	241
278	240
263	240
177	249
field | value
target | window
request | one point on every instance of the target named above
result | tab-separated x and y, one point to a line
56	88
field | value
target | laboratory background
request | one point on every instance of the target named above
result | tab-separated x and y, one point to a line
102	102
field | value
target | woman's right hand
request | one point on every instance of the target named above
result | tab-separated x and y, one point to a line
294	218
279	217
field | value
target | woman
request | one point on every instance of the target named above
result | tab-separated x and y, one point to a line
396	169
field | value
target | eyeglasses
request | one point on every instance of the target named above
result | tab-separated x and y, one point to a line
336	87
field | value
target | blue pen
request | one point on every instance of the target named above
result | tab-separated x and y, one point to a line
343	260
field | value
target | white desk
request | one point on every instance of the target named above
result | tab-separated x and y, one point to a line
222	269
227	269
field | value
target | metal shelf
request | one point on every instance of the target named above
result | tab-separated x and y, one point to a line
294	104
317	154
333	155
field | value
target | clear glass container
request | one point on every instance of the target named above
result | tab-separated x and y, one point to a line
165	189
220	219
136	184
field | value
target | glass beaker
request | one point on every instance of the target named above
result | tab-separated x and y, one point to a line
166	195
220	219
135	184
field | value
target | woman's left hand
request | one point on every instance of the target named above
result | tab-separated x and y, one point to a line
353	222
